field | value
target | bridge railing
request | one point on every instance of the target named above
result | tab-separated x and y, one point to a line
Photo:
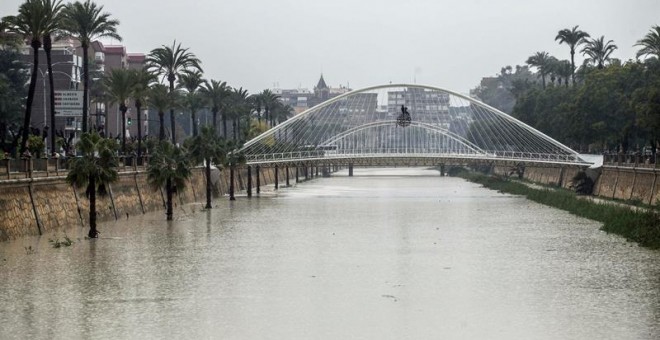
410	152
47	167
633	160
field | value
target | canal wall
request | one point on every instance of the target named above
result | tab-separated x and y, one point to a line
33	206
614	182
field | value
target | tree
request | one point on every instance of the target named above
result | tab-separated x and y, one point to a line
13	79
191	81
95	169
168	165
599	51
269	101
52	23
30	24
209	149
216	94
171	62
240	106
119	83
141	81
542	61
86	21
573	38
650	44
160	99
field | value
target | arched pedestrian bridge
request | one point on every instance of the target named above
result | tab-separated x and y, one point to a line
405	124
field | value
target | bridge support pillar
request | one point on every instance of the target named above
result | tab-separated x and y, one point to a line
258	179
287	176
277	179
350	169
317	171
231	183
249	181
297	175
306	172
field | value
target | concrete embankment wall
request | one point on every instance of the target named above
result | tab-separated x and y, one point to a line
637	184
624	183
40	205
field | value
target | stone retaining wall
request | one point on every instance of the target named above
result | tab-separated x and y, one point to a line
39	205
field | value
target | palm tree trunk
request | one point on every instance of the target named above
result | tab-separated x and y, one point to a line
224	125
231	183
572	65
85	49
194	123
215	120
172	120
47	48
138	108
93	233
161	119
123	129
208	183
36	44
168	189
233	125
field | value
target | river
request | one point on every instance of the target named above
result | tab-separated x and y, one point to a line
386	254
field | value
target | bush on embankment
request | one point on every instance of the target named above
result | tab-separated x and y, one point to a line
640	226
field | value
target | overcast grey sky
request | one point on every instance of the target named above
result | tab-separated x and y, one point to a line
447	43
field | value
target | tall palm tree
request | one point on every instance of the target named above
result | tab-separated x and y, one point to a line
598	51
170	62
270	101
257	101
118	84
160	99
542	61
241	104
95	170
209	149
216	94
650	43
141	82
572	37
52	23
30	24
86	22
192	81
168	165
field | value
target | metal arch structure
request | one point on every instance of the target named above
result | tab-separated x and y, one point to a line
445	125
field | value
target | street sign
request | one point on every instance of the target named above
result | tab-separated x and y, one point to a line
68	103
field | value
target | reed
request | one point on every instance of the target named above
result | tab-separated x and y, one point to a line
638	225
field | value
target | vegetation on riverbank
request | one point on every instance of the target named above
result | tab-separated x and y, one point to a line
641	226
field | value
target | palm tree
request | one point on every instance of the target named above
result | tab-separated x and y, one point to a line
270	101
542	62
141	81
30	24
167	165
119	83
241	103
170	62
257	101
160	99
572	37
95	169
564	70
599	51
216	93
192	81
86	22
209	149
52	23
650	43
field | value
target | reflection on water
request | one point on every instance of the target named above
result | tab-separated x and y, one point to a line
387	254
